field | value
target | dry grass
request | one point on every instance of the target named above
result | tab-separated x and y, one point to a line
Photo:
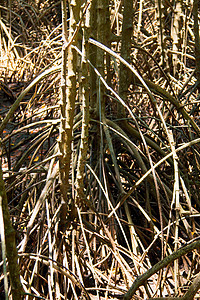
141	186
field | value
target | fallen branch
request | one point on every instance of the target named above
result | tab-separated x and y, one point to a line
160	265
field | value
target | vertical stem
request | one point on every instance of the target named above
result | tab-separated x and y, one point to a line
177	206
84	95
124	74
197	40
92	57
62	140
159	9
3	248
103	35
11	250
175	34
67	103
100	29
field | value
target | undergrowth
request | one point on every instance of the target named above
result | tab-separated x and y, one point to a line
140	188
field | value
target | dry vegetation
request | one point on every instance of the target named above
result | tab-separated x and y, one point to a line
100	149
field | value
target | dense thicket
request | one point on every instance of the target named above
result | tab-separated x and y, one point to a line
99	108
